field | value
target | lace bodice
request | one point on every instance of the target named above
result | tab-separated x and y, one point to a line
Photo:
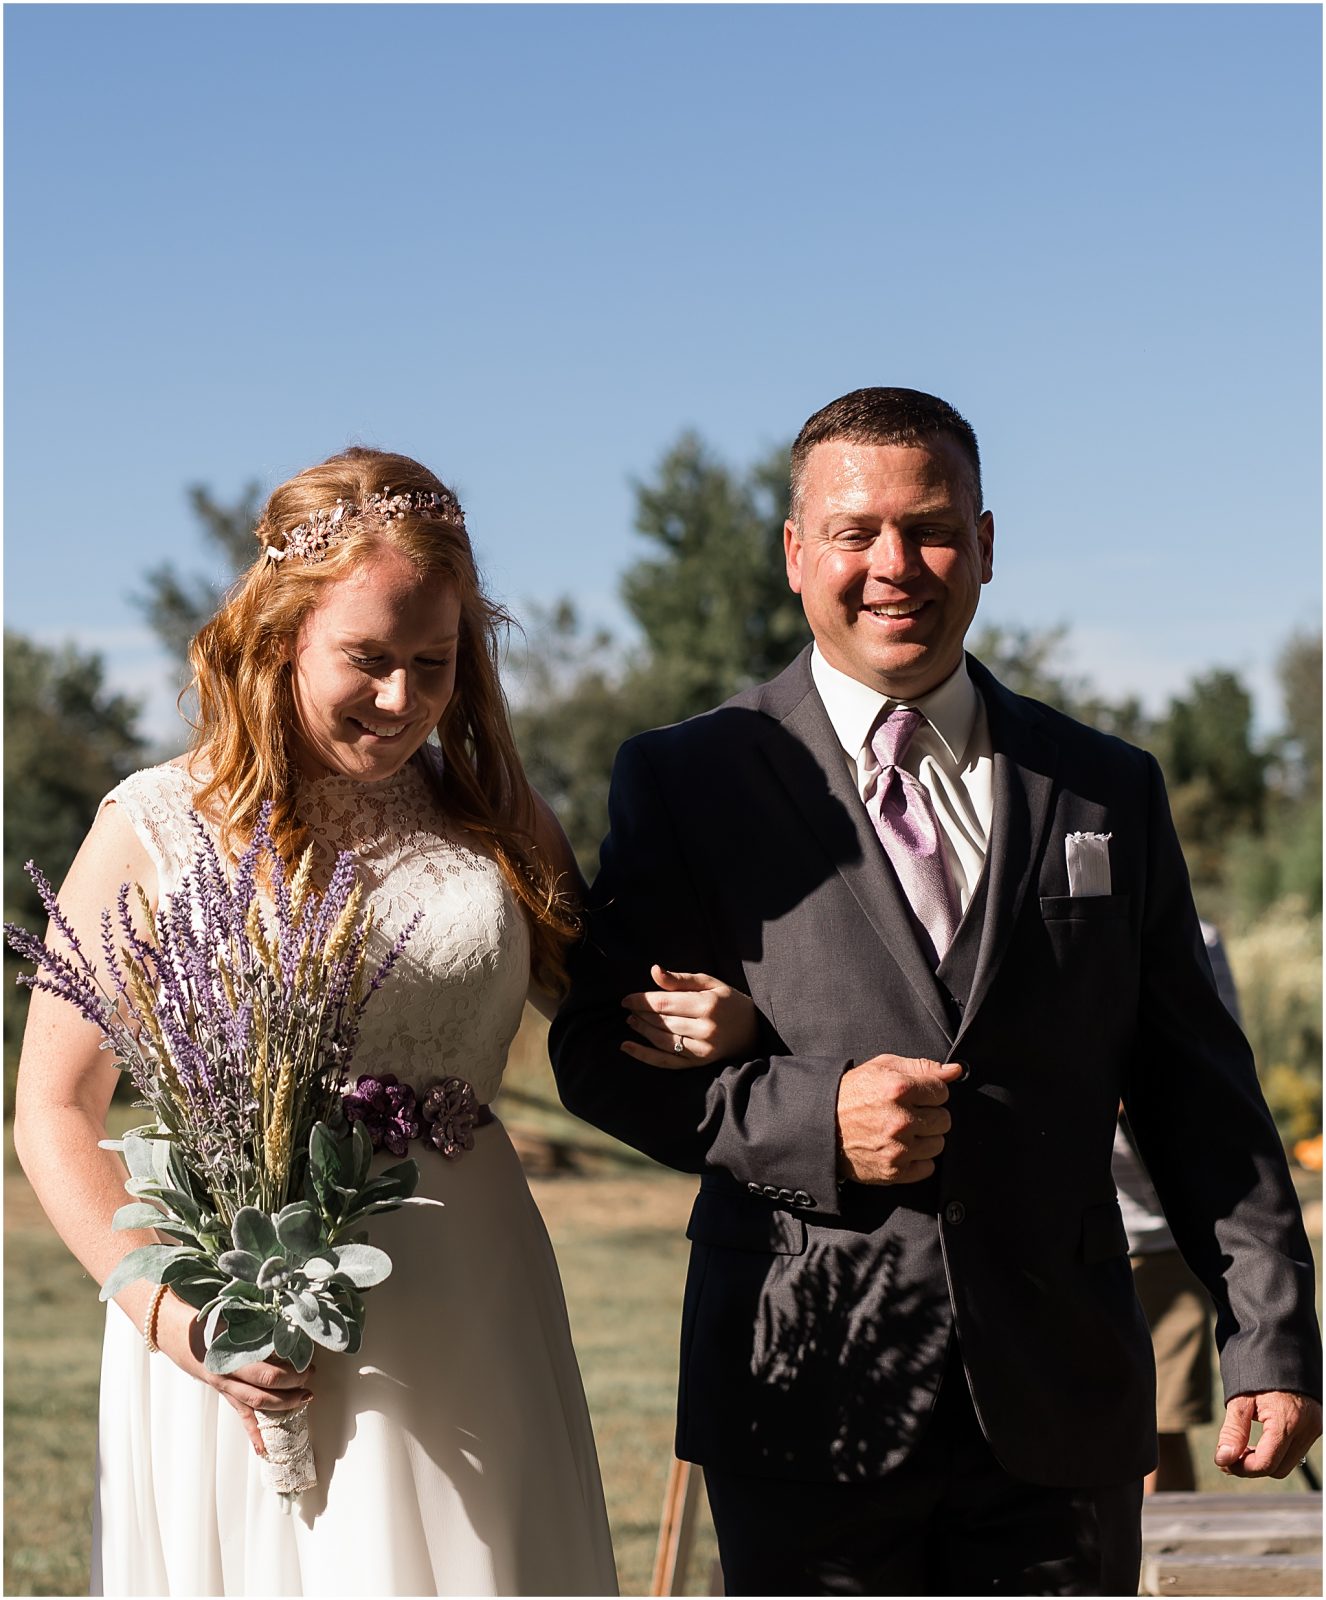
454	1001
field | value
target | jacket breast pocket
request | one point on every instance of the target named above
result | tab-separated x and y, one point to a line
1103	1233
1088	972
732	1224
1085	907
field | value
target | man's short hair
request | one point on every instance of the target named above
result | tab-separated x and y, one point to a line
884	416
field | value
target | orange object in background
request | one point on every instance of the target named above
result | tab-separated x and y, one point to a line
1307	1152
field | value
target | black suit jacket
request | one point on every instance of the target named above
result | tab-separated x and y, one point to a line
817	1316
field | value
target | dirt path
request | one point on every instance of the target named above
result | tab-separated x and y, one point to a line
611	1204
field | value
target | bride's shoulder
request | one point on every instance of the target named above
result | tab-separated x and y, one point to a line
157	803
171	781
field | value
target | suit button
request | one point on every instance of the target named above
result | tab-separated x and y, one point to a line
954	1212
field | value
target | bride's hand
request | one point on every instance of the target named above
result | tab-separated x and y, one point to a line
688	1020
262	1386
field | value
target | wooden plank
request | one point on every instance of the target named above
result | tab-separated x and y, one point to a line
1249	1536
1234	1503
1231	1575
1273	1518
676	1533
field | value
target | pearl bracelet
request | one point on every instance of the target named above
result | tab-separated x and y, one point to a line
150	1320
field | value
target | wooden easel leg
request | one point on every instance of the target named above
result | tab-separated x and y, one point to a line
676	1532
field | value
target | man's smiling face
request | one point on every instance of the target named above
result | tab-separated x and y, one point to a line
888	553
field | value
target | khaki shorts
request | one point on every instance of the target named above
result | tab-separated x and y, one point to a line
1178	1310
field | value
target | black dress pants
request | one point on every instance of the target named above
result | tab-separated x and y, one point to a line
948	1521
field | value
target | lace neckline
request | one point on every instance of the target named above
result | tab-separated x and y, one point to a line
426	761
412	773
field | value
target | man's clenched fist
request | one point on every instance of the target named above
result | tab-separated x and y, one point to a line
891	1118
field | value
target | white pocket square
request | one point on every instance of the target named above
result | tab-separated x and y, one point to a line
1088	858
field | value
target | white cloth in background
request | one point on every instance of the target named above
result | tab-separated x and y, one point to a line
454	1452
1143	1215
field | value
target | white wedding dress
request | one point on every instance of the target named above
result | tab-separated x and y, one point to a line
454	1452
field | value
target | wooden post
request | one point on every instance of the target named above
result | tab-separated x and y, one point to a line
676	1532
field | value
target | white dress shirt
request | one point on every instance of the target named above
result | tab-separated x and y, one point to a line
949	754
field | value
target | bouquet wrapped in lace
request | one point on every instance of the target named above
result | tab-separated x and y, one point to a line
237	1024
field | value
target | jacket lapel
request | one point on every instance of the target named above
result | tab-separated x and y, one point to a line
1025	757
827	798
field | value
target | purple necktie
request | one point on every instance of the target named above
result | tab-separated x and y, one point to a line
904	818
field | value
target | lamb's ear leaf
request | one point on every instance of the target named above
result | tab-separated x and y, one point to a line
323	1150
324	1165
241	1264
177	1230
238	1289
147	1261
363	1152
321	1266
249	1325
185	1207
224	1356
254	1231
137	1214
299	1229
293	1345
137	1153
363	1264
320	1320
403	1177
177	1171
196	1291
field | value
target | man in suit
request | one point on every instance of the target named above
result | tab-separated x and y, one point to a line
912	1358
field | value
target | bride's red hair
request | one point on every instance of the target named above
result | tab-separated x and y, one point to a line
244	739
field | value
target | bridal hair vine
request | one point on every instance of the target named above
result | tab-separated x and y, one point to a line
313	539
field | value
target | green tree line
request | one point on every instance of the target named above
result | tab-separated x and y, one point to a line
713	614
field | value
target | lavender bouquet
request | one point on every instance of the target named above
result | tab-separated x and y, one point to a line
237	1026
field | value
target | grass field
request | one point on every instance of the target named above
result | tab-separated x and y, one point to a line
617	1226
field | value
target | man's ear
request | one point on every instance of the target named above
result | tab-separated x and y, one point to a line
985	542
792	548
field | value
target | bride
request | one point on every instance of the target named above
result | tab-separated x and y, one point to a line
351	679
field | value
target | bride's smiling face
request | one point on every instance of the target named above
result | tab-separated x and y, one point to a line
373	668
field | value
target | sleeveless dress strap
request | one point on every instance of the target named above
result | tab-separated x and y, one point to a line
156	802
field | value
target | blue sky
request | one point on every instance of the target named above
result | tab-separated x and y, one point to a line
531	244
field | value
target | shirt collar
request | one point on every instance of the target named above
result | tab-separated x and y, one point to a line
854	707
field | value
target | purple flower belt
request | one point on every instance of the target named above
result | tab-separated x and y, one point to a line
393	1114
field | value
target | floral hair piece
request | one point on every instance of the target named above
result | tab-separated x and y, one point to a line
312	540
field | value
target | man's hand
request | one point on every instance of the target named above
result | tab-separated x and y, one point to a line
891	1118
1291	1424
